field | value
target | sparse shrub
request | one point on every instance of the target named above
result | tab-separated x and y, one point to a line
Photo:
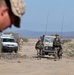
70	50
25	39
71	46
70	53
65	41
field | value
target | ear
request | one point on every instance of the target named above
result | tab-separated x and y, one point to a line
4	10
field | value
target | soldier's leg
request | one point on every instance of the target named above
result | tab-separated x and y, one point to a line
20	47
38	52
56	53
60	52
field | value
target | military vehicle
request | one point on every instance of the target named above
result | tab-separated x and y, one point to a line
48	47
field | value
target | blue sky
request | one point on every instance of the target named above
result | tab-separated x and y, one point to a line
35	18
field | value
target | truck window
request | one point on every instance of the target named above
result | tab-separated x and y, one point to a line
48	39
8	40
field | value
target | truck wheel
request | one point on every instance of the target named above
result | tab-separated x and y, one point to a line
2	50
16	51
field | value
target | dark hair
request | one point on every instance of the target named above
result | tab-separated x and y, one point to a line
8	4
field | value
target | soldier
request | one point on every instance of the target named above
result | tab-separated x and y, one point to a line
11	12
57	43
39	46
20	43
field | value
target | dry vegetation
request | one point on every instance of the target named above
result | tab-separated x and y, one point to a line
68	48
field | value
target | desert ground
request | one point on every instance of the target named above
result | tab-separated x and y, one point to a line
27	63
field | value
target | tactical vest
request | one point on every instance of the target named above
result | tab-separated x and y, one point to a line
57	42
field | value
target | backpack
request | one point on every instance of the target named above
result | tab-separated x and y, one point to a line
39	45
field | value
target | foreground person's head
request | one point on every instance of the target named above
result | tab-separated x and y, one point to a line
10	13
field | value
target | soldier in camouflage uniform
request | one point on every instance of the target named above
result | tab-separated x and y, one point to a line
20	43
11	12
39	46
57	43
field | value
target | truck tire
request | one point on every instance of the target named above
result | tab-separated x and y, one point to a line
16	51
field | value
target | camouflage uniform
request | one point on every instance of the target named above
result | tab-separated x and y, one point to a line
39	46
57	43
20	43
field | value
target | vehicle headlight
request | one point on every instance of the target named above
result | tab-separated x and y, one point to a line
46	47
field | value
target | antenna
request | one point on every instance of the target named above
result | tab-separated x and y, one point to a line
62	25
46	23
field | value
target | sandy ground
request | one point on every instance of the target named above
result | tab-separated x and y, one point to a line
32	66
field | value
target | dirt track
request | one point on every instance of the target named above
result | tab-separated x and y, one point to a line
32	66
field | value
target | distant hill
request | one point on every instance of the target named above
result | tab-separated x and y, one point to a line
37	34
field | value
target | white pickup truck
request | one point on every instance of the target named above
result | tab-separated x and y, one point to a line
9	43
